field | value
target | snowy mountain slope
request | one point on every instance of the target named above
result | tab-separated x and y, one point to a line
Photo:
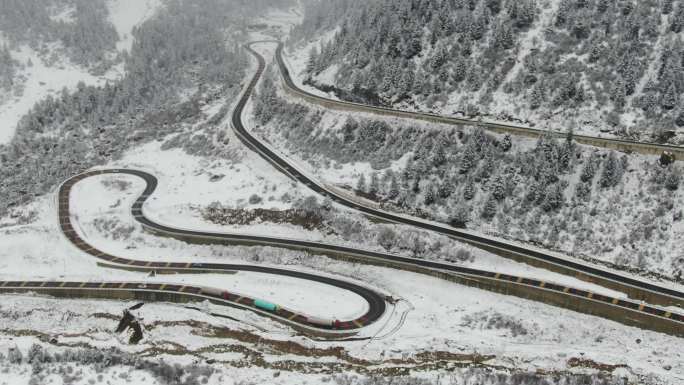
37	81
436	328
552	193
43	68
128	14
592	66
477	321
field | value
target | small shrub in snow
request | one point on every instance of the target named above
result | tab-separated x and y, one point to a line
673	178
255	199
464	255
36	354
14	356
494	320
387	238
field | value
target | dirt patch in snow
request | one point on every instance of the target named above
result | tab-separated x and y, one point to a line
576	362
228	216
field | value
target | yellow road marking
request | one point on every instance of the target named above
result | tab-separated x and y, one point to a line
519	279
542	284
566	289
497	275
182	288
121	286
162	287
641	307
188	265
292	316
359	324
614	301
590	295
668	314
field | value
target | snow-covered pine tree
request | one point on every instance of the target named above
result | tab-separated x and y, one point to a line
374	187
677	19
611	174
429	197
673	178
489	208
460	216
498	188
537	96
506	143
445	189
669	100
469	190
618	94
393	191
361	184
468	159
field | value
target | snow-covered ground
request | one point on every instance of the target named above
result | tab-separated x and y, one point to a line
432	316
275	24
42	79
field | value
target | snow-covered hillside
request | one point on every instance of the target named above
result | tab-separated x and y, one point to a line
553	193
128	14
44	69
597	66
169	115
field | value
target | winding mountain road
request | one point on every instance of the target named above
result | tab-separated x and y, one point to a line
376	302
635	288
622	310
